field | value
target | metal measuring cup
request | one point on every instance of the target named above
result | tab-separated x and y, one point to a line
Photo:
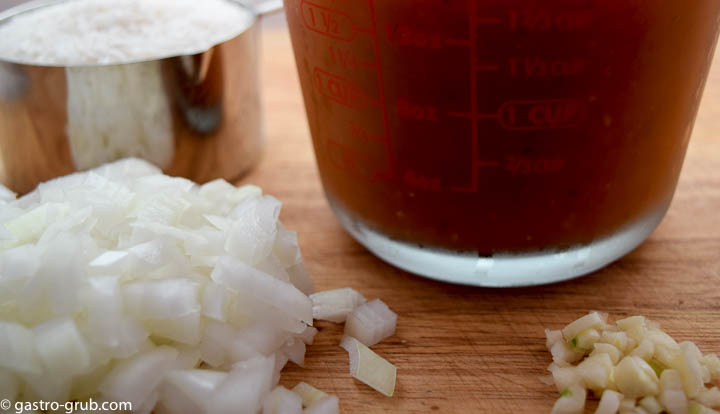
196	116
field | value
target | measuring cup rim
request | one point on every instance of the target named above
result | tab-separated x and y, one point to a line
30	6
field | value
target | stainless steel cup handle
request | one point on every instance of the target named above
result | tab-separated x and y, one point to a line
265	7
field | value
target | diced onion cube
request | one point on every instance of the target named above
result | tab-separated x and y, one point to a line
371	322
335	305
308	394
282	401
369	367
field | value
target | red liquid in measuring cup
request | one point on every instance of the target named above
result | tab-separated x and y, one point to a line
501	125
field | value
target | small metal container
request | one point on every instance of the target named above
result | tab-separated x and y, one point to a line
196	116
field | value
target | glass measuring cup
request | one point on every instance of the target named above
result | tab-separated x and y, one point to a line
501	142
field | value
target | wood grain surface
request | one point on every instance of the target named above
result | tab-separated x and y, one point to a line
469	350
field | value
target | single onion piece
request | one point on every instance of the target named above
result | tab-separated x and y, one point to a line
295	352
61	348
308	335
287	248
244	389
300	278
215	302
274	268
252	235
153	252
327	405
127	169
134	379
280	361
185	329
85	384
45	387
215	345
6	236
29	226
19	262
335	305
247	308
187	391
308	394
6	194
162	299
369	367
108	327
263	339
282	401
240	277
188	356
17	348
371	322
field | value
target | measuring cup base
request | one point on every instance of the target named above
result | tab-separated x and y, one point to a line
501	270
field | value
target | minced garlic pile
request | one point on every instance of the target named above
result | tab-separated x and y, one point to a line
632	366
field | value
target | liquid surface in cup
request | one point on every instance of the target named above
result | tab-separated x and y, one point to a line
491	125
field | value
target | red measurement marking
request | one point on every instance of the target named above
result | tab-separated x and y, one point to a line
415	180
351	161
542	114
537	67
519	165
343	57
547	20
328	22
404	35
416	112
340	89
356	131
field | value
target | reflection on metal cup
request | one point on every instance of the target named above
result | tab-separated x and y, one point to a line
196	116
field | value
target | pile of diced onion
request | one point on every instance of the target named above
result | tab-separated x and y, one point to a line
632	366
123	284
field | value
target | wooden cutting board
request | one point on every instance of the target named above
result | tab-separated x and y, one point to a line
469	350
